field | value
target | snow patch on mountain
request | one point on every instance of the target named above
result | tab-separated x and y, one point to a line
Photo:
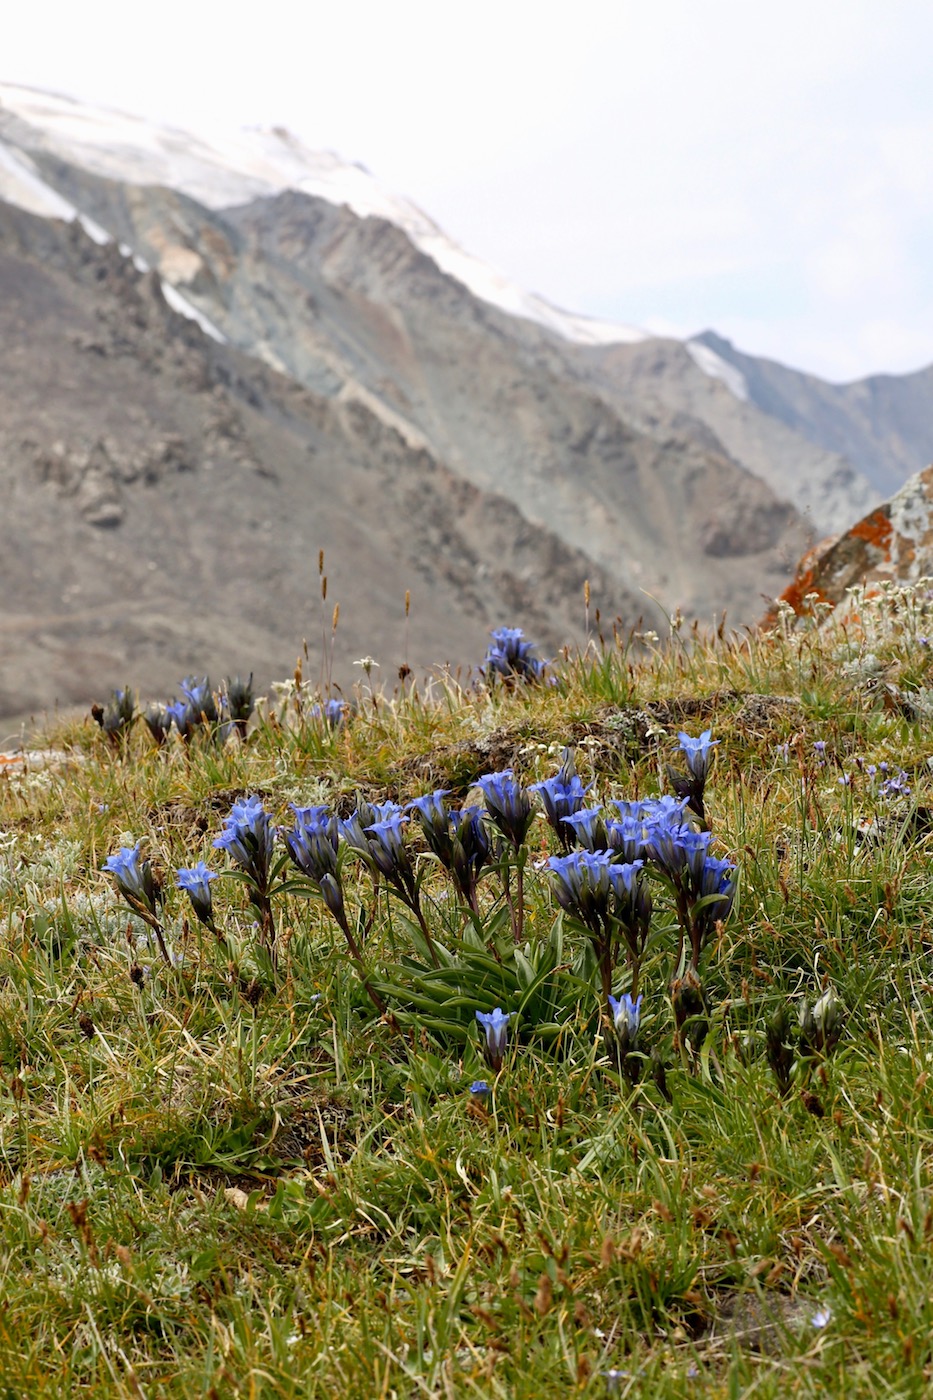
22	185
235	168
717	368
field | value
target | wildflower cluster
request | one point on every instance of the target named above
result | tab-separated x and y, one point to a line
602	878
509	657
117	716
219	714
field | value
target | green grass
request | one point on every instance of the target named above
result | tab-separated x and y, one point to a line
227	1181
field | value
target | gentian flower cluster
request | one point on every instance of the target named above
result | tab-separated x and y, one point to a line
508	804
222	714
704	886
200	698
116	717
562	798
375	831
457	837
249	837
509	657
608	897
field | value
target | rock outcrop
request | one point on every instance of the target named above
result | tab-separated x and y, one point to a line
891	544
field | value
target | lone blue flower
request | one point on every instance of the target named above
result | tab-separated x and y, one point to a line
133	877
626	1016
196	882
496	1026
698	753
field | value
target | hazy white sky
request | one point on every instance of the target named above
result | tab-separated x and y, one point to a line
761	167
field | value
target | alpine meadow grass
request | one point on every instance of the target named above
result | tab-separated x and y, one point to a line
569	1031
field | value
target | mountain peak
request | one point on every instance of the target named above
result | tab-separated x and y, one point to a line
234	168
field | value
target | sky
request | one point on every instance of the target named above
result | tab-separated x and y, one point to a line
763	169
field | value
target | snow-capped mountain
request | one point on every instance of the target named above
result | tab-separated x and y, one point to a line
235	168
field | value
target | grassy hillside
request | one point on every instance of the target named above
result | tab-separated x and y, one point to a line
253	1165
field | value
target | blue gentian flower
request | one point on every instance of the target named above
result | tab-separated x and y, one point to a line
249	837
196	882
353	828
183	716
583	886
200	698
496	1027
480	1091
313	841
629	838
133	876
508	803
718	877
698	753
509	656
562	796
589	829
332	712
626	1016
381	843
434	818
654	811
387	845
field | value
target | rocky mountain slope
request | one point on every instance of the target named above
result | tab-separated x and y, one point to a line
165	500
347	378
